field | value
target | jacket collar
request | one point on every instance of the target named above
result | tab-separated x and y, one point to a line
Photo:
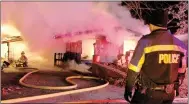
159	30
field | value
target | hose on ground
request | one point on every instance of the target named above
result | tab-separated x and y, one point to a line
68	79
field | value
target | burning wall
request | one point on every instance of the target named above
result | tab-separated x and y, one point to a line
106	50
88	48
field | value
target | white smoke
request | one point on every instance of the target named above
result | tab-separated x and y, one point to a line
182	37
38	22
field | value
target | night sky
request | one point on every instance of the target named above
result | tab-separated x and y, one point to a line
158	5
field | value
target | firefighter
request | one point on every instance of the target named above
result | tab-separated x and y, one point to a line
159	60
23	59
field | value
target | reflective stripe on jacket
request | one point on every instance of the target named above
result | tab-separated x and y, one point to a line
159	56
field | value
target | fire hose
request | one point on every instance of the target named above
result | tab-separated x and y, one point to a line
68	79
38	97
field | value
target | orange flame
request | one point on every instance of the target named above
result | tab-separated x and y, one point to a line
9	30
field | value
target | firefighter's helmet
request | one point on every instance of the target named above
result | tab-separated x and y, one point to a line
22	52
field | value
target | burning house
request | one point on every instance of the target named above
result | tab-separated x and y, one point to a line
106	58
99	32
39	29
97	38
97	48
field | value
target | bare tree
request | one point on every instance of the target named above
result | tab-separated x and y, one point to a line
178	12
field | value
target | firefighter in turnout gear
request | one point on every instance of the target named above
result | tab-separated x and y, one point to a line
158	62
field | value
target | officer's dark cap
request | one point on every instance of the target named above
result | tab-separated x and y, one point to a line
157	18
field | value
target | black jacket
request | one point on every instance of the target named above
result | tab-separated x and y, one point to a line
157	57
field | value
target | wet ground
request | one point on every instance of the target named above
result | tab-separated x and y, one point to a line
10	88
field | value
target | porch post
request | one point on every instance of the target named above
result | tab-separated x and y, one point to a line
8	50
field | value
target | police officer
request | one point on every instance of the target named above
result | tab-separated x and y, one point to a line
158	60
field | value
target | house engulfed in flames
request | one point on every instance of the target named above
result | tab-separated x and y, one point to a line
100	50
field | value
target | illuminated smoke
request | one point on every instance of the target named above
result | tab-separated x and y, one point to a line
38	22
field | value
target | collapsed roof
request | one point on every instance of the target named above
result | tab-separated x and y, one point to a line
11	39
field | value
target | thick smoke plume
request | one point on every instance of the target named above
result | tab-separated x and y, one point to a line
38	22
